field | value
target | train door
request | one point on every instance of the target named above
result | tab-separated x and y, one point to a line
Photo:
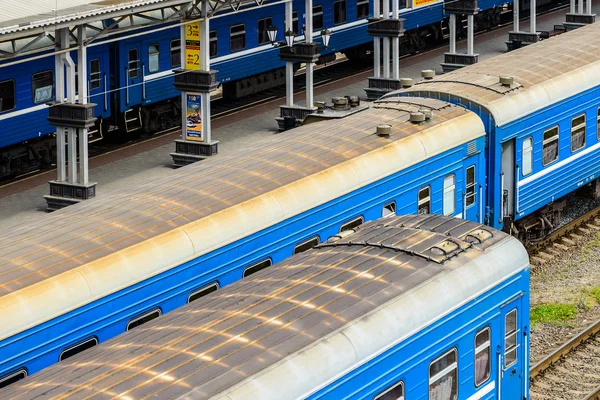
507	181
510	354
133	72
471	197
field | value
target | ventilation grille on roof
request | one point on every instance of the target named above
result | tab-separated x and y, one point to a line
471	148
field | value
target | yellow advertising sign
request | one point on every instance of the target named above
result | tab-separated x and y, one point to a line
192	46
419	3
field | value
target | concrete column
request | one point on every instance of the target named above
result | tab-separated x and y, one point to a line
516	16
71	98
61	159
289	66
83	95
183	94
470	28
308	35
452	33
580	7
532	17
377	44
572	7
588	7
395	44
205	66
386	41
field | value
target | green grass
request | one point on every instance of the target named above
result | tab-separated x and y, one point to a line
555	314
595	293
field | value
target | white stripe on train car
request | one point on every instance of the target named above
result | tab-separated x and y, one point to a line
483	391
23	111
558	165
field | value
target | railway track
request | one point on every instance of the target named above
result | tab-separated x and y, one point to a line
564	237
572	371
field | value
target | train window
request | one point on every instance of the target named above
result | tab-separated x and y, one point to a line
176	53
470	186
550	146
12	378
309	244
527	156
317	18
214	44
395	392
263	24
295	22
237	37
424	204
257	267
153	58
78	348
597	124
389	210
94	74
483	358
510	338
195	295
339	12
443	377
449	203
142	319
7	95
362	8
352	224
578	132
43	86
133	63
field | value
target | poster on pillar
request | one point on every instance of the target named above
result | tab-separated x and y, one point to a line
192	46
193	117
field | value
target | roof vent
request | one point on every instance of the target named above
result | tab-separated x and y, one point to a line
339	103
427	112
320	106
353	100
384	130
506	81
428	74
417	117
406	82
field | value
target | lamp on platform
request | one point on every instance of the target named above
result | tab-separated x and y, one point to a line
326	35
289	38
272	32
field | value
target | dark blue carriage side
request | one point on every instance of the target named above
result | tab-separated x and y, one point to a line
406	365
102	319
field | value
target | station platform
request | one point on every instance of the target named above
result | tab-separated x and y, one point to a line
22	202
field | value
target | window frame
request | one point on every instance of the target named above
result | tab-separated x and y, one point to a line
360	3
598	123
258	31
157	53
345	12
142	316
130	61
202	289
488	347
442	373
510	334
10	375
579	127
472	185
295	24
53	87
317	238
246	273
557	144
92	73
177	50
320	14
351	222
389	389
530	152
392	214
237	34
14	92
450	188
426	200
213	38
83	342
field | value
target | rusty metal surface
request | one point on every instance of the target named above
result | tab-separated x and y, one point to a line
89	231
218	341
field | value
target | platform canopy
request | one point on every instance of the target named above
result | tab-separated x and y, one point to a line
28	25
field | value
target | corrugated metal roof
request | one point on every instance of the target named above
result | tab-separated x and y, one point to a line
17	16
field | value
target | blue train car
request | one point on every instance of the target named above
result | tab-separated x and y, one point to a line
542	135
196	231
420	306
